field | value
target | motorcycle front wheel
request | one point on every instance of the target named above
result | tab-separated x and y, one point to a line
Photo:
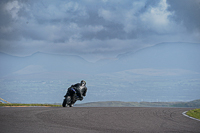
64	102
69	102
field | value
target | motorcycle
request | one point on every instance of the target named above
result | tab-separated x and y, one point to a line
70	98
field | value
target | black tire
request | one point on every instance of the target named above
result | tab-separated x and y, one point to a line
68	101
64	102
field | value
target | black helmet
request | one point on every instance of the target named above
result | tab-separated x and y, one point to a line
83	82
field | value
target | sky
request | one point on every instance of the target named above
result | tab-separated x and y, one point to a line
95	29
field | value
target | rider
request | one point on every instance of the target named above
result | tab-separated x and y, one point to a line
80	89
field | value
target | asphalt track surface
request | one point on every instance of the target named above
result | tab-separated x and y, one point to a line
96	120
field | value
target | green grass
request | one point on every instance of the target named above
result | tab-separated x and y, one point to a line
194	113
19	104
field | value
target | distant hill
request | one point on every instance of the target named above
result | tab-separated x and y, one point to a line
161	56
193	104
41	63
163	72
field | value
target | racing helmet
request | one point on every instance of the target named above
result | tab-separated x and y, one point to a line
83	82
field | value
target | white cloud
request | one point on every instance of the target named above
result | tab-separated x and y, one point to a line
154	18
59	10
107	15
157	18
13	8
130	18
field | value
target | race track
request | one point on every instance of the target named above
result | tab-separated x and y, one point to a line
96	120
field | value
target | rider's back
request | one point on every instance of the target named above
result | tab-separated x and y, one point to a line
80	89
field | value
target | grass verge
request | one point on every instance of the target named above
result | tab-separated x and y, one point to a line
28	105
194	113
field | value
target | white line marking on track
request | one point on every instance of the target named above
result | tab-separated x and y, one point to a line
184	113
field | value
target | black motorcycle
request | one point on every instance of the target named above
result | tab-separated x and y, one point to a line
70	98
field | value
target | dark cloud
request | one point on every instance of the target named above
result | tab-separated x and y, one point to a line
86	27
186	12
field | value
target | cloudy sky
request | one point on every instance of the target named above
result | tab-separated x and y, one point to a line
95	29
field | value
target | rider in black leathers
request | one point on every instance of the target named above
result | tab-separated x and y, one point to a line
80	89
